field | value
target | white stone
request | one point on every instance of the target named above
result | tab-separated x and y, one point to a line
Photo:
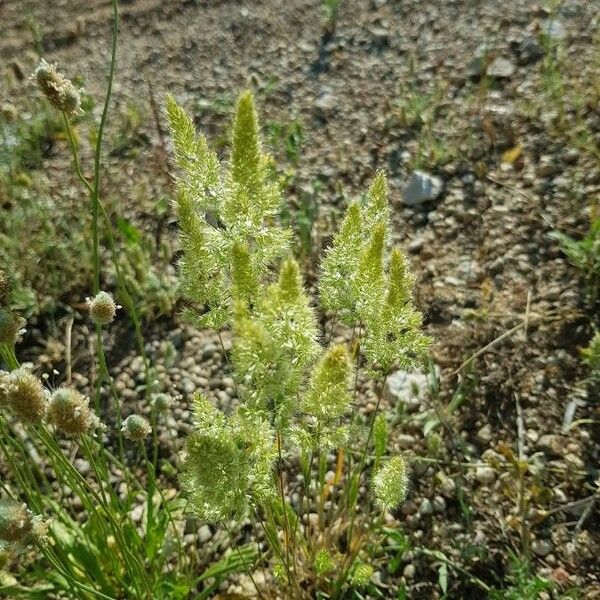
421	188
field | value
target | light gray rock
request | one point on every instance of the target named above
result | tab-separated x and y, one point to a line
406	387
409	571
204	534
552	444
485	475
426	508
541	547
421	188
500	68
484	435
326	105
529	51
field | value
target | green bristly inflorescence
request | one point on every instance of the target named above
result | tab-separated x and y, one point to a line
228	462
236	272
363	286
227	220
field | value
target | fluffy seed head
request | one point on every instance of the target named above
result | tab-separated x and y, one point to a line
391	482
70	412
136	428
26	396
10	325
102	308
15	521
59	90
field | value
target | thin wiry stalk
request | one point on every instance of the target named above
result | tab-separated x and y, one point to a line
95	193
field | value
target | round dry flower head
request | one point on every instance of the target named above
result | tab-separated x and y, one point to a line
10	326
15	521
390	483
59	90
26	396
70	412
136	428
102	308
161	402
39	529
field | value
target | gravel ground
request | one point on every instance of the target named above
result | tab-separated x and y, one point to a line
498	167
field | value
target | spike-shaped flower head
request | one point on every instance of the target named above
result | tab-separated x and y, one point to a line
274	344
59	90
102	308
15	521
394	333
228	462
26	396
136	428
327	400
228	232
390	484
70	412
352	269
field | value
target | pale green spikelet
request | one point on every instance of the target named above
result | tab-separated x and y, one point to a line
228	462
199	177
376	209
401	280
361	575
352	271
327	399
136	428
390	484
339	265
369	280
70	412
274	344
394	326
228	233
15	521
286	313
26	396
246	155
260	364
328	396
243	275
102	308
